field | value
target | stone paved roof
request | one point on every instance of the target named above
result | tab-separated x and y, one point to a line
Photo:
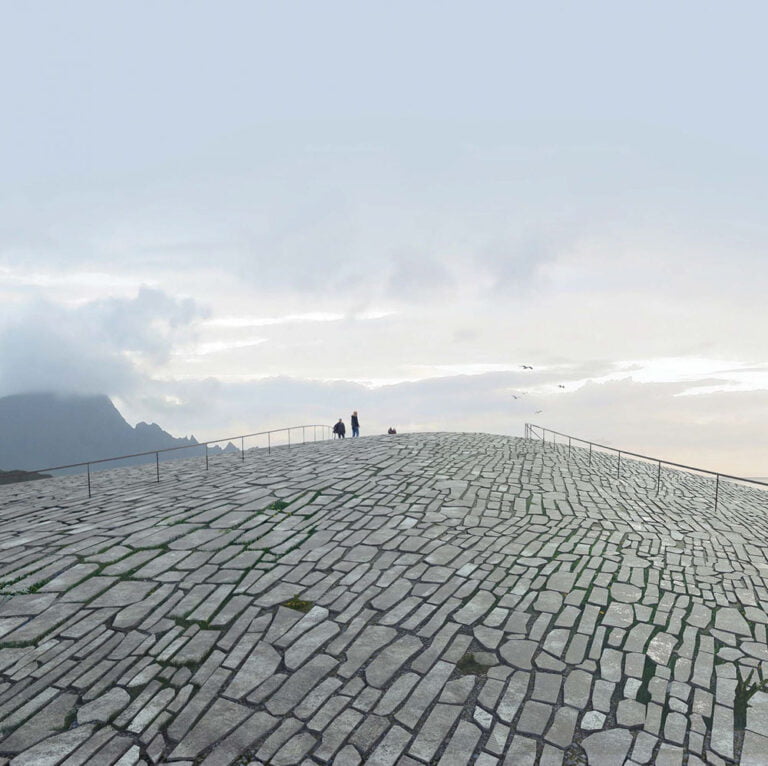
429	598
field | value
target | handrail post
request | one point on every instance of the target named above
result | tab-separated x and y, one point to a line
717	490
569	446
242	448
618	467
289	438
590	454
89	479
157	466
658	478
206	456
303	436
269	442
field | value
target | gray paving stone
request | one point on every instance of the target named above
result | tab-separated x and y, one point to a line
608	748
534	718
593	719
298	625
27	604
41	725
335	736
309	643
348	756
328	712
293	691
435	730
754	750
293	751
424	693
105	707
288	728
585	595
390	748
625	592
475	608
391	659
260	665
461	746
372	639
730	620
396	693
316	697
54	748
513	697
563	726
522	752
518	652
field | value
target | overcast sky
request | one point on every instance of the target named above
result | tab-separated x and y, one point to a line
236	215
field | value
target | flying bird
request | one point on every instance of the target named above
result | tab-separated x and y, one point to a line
560	385
526	366
538	412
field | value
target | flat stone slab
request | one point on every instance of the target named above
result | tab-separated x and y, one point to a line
434	598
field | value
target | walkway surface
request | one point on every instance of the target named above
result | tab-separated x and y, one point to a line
454	599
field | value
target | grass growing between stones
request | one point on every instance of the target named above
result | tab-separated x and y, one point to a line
185	622
298	604
6	588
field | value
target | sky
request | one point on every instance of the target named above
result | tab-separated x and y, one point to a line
241	215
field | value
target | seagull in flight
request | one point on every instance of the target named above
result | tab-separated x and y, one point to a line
538	412
526	366
560	385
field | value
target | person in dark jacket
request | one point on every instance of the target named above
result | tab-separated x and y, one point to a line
355	424
340	429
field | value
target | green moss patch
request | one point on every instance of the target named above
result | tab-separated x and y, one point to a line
469	666
298	604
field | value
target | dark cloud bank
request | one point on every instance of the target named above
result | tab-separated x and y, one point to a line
96	348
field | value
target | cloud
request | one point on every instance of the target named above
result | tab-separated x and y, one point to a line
416	276
149	324
257	321
104	346
516	263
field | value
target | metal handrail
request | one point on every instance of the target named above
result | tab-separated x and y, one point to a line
530	432
157	452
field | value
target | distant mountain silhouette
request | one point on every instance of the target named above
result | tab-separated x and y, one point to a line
44	430
14	477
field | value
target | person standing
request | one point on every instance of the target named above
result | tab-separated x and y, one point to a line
340	429
355	424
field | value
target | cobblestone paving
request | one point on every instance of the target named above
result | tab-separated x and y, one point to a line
455	598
